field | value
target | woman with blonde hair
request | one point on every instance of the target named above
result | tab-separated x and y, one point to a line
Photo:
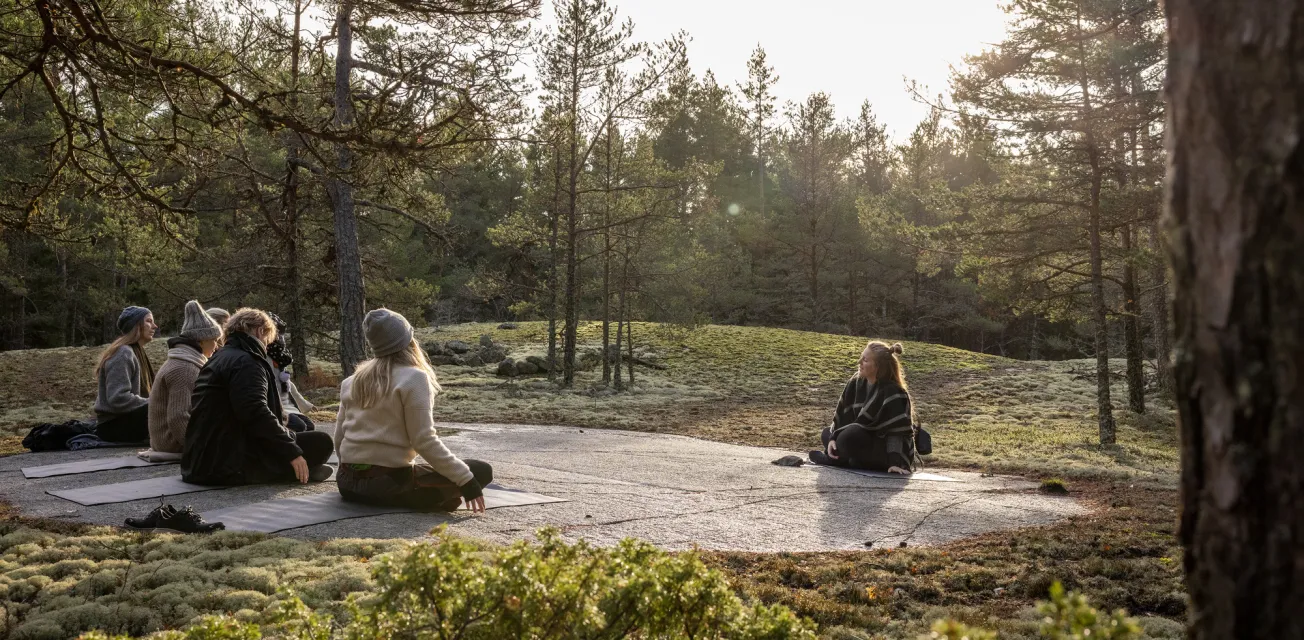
169	400
385	420
124	376
237	434
873	427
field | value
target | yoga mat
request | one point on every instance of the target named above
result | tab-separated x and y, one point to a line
87	466
128	491
319	508
918	475
104	464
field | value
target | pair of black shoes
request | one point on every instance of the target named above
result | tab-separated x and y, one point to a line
168	517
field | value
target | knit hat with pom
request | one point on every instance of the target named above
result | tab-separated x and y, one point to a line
198	325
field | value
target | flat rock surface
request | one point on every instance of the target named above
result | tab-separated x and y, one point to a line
673	491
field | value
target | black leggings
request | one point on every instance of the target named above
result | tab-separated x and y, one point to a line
317	447
858	449
416	487
132	426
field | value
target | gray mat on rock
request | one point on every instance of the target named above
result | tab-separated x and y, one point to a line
138	490
87	466
128	491
918	475
104	464
319	508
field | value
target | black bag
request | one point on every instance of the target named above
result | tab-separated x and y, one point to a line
923	442
54	437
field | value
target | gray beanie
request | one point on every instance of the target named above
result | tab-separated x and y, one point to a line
220	315
198	325
130	317
387	332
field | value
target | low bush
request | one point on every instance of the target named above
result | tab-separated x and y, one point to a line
1066	616
451	588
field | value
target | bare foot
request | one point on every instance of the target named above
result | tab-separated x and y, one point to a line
899	470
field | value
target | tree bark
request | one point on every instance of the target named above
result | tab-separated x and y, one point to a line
1104	406
554	259
1235	204
1133	348
621	321
348	260
298	327
572	322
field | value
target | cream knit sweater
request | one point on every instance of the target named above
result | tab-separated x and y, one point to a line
393	431
169	399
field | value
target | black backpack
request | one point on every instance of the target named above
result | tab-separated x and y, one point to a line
54	437
923	441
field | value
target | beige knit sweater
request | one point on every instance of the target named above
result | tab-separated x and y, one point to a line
169	399
394	430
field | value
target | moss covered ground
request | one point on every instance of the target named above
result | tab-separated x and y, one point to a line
774	387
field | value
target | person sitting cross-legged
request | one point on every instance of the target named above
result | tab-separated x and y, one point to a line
873	427
237	433
125	376
385	419
169	399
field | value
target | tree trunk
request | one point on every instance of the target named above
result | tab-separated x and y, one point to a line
606	266
554	259
1160	327
1104	406
1234	201
1135	351
571	328
620	326
297	323
629	346
348	260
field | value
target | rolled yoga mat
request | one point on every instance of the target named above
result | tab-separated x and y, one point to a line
88	466
303	511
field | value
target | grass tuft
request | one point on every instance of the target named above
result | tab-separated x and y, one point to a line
1054	486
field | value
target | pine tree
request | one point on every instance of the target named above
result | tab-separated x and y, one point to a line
1047	85
760	105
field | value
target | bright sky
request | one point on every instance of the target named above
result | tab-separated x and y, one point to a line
851	49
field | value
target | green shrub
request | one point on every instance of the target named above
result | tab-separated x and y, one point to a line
1070	617
1066	616
550	589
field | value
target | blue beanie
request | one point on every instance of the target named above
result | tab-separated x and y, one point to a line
130	317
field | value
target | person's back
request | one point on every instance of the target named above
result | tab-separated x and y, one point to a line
395	429
386	419
169	406
214	443
169	398
236	433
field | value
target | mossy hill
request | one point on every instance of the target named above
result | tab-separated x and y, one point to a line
749	385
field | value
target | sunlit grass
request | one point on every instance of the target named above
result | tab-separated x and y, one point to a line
752	385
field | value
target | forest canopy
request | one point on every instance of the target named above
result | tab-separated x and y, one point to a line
319	159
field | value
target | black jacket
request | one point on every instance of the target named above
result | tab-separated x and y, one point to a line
236	431
881	413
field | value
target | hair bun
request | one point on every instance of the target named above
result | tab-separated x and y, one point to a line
896	348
